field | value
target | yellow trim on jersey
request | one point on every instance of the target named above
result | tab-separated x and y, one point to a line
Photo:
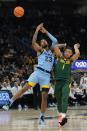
65	62
31	83
40	52
70	85
45	86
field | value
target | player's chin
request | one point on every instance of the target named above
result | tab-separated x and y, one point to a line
67	56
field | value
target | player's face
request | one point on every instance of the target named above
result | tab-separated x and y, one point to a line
5	84
85	74
44	43
68	53
16	84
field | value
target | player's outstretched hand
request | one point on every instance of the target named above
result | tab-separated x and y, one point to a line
43	30
39	27
77	45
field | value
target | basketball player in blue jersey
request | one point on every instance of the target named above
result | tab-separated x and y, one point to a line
42	72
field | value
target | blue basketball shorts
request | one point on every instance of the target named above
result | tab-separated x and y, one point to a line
40	77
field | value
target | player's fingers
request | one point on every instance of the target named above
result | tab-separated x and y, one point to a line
41	25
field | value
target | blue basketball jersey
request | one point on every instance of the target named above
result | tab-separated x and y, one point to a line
46	60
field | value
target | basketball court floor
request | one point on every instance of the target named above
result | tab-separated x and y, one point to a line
14	120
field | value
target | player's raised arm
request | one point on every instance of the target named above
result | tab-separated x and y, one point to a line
53	39
61	45
35	45
77	52
55	45
57	51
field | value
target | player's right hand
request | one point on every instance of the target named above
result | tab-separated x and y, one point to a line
43	30
39	27
77	45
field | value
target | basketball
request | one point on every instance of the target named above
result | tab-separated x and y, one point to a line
19	11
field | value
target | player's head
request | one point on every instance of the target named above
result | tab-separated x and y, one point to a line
85	74
44	43
4	84
68	52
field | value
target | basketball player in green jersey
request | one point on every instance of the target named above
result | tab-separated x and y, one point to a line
62	77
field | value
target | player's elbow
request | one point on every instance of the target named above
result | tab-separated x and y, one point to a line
78	54
33	45
55	41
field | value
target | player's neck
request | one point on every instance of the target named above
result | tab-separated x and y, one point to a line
46	49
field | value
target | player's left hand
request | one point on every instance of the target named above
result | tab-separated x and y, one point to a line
39	27
77	45
43	30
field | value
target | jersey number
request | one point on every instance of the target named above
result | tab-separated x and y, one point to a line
48	58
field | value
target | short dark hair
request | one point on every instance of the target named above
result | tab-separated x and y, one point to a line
70	48
43	36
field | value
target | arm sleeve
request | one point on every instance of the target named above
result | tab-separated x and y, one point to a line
54	40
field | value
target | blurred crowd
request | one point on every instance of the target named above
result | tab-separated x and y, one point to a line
32	98
78	92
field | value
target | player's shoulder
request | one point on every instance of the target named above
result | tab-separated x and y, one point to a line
40	52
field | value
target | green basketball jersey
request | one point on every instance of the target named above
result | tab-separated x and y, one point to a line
63	69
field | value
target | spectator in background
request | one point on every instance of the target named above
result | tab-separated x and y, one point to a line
4	86
36	96
51	97
27	99
76	95
16	87
83	82
14	90
72	98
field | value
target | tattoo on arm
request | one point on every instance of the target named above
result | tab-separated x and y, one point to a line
34	38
